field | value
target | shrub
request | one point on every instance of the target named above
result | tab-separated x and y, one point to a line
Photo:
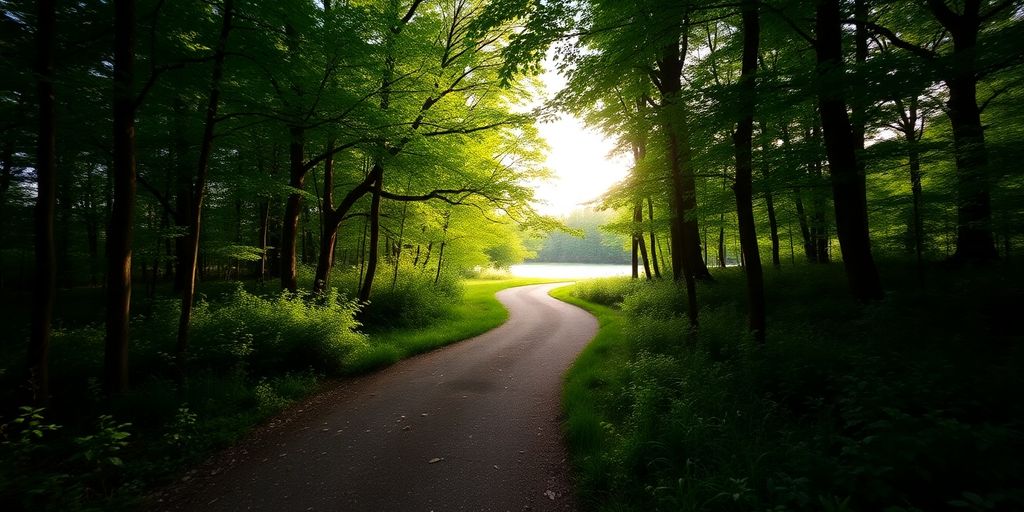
276	335
413	301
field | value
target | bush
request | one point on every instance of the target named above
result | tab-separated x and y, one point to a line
888	407
414	300
276	335
608	291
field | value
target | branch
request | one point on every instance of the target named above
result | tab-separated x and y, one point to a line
896	41
800	32
160	198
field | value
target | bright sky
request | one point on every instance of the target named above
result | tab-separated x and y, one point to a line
578	158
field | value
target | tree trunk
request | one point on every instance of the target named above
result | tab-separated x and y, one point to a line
119	234
426	259
721	241
634	258
638	238
654	251
444	242
261	240
46	185
773	228
743	143
199	193
371	263
974	239
805	232
848	183
292	210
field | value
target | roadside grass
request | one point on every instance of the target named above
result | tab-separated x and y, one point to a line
478	312
910	404
253	355
592	383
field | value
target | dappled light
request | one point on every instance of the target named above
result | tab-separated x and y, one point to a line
557	255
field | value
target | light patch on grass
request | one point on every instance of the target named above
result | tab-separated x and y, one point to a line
478	312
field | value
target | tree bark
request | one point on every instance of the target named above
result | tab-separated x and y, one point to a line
371	263
46	185
848	182
292	210
974	238
638	237
743	187
119	234
654	243
805	232
199	192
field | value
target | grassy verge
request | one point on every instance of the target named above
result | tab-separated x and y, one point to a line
591	383
478	312
904	405
253	355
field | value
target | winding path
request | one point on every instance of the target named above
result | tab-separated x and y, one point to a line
473	426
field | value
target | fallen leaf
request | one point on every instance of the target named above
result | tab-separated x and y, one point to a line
435	460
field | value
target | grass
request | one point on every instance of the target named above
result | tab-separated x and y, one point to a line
910	404
478	312
253	355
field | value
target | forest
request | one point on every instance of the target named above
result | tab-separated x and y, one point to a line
211	209
590	242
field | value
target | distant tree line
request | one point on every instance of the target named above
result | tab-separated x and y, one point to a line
589	244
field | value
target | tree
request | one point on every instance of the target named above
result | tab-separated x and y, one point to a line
46	177
743	187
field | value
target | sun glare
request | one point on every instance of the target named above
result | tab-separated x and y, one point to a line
578	158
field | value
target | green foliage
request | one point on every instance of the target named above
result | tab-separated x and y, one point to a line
268	335
893	407
590	245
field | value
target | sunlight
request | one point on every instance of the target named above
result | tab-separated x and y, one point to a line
582	169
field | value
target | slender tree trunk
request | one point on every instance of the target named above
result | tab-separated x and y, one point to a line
46	185
401	240
634	258
199	192
119	234
329	228
914	161
848	183
261	240
805	232
292	210
371	264
426	259
773	227
654	251
721	241
769	198
743	143
638	238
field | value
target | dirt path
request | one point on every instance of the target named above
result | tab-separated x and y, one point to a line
474	426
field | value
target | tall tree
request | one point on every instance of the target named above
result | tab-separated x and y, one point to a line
119	231
46	184
743	187
198	189
848	181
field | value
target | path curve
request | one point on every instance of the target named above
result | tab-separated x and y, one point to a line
488	408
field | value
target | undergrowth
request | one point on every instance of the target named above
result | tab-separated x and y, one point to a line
251	355
908	404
